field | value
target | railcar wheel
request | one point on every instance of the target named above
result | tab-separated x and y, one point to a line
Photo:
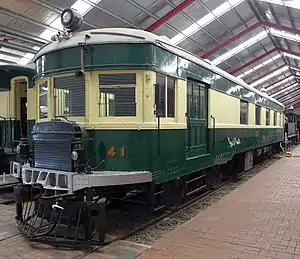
214	177
174	193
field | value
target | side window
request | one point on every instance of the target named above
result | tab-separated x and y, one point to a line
170	97
160	95
257	115
243	112
275	118
165	96
43	100
267	116
117	95
69	96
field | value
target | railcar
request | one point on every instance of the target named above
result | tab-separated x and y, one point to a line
125	111
291	128
15	113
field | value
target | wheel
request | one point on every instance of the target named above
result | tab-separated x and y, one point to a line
214	177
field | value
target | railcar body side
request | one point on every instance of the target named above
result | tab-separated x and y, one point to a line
183	144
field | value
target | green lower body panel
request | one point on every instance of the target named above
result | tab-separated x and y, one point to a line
166	153
14	130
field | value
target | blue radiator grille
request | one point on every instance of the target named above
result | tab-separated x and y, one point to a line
53	154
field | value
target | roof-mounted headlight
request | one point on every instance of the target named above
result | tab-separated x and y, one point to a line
71	19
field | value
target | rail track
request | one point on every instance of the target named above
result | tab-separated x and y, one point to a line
173	212
6	193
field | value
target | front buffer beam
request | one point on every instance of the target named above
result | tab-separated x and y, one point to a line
60	220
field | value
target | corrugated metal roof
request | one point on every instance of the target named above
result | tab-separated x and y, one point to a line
206	24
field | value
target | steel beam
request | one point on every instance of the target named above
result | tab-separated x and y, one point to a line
253	61
23	36
249	29
7	61
262	56
16	47
170	14
231	40
272	92
292	97
285	95
280	27
291	102
268	73
266	87
289	95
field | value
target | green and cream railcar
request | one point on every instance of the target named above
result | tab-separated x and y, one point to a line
150	108
122	109
15	89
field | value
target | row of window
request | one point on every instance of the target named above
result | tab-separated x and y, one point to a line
117	96
244	114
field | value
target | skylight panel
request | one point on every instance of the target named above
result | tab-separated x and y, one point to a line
205	20
280	83
283	90
240	47
25	60
290	3
259	66
286	35
9	58
275	73
296	69
291	56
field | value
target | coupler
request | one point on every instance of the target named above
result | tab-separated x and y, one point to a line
60	220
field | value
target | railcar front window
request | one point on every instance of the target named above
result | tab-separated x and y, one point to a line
69	96
43	100
117	95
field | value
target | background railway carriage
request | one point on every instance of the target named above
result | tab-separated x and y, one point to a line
291	128
149	117
16	117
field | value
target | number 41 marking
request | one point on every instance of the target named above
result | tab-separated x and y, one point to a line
112	152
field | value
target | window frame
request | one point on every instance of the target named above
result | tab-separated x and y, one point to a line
99	94
268	120
76	117
166	77
247	113
49	104
256	121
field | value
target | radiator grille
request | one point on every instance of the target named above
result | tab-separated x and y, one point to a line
53	154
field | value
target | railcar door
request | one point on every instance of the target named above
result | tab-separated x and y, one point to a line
196	117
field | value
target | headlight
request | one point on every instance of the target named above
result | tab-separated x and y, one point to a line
18	149
74	155
66	17
71	19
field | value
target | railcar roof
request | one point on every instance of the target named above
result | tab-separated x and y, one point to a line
121	35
